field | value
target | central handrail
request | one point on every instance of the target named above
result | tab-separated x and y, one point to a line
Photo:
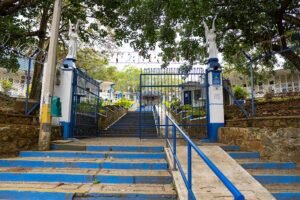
188	180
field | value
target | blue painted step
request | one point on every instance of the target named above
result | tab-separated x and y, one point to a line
95	196
153	149
126	148
82	164
269	165
83	178
244	155
83	154
286	195
35	195
278	179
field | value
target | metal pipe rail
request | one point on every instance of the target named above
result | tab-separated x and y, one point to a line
188	180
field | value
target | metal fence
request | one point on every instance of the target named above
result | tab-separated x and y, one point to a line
16	70
85	105
182	94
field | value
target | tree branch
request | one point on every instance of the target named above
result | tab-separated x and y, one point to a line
291	19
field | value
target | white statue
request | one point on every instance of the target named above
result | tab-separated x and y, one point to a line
211	40
73	39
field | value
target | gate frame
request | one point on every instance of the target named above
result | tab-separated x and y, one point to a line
202	75
77	72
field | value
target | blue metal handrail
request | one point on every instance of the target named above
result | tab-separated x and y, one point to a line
188	180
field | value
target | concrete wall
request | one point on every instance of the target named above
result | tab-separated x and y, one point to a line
15	138
265	122
281	144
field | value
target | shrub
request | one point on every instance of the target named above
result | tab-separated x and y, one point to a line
186	107
124	103
239	93
175	103
7	85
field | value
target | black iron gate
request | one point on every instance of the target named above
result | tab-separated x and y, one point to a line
180	94
85	105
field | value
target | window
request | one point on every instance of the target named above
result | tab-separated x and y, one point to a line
271	82
245	85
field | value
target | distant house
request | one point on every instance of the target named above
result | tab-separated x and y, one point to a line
107	90
282	81
19	78
193	93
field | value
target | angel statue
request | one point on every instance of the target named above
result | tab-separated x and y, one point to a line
210	36
73	39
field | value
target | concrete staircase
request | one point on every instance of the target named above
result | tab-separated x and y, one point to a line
128	126
282	179
88	172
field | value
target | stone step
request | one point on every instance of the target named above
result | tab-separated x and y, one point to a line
65	147
274	171
38	162
84	176
278	179
284	191
244	155
59	191
269	165
92	154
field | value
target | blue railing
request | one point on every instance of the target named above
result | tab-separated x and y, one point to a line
188	180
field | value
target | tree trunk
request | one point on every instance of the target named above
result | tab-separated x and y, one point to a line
291	56
36	85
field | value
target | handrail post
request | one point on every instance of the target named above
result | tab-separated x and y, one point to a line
174	145
189	186
167	130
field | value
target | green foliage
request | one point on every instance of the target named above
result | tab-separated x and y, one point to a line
124	103
171	25
128	79
186	107
175	103
240	93
7	85
86	106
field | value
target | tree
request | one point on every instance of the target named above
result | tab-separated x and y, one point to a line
173	25
27	21
128	79
241	26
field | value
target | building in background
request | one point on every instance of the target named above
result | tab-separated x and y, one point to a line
19	78
282	81
107	90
